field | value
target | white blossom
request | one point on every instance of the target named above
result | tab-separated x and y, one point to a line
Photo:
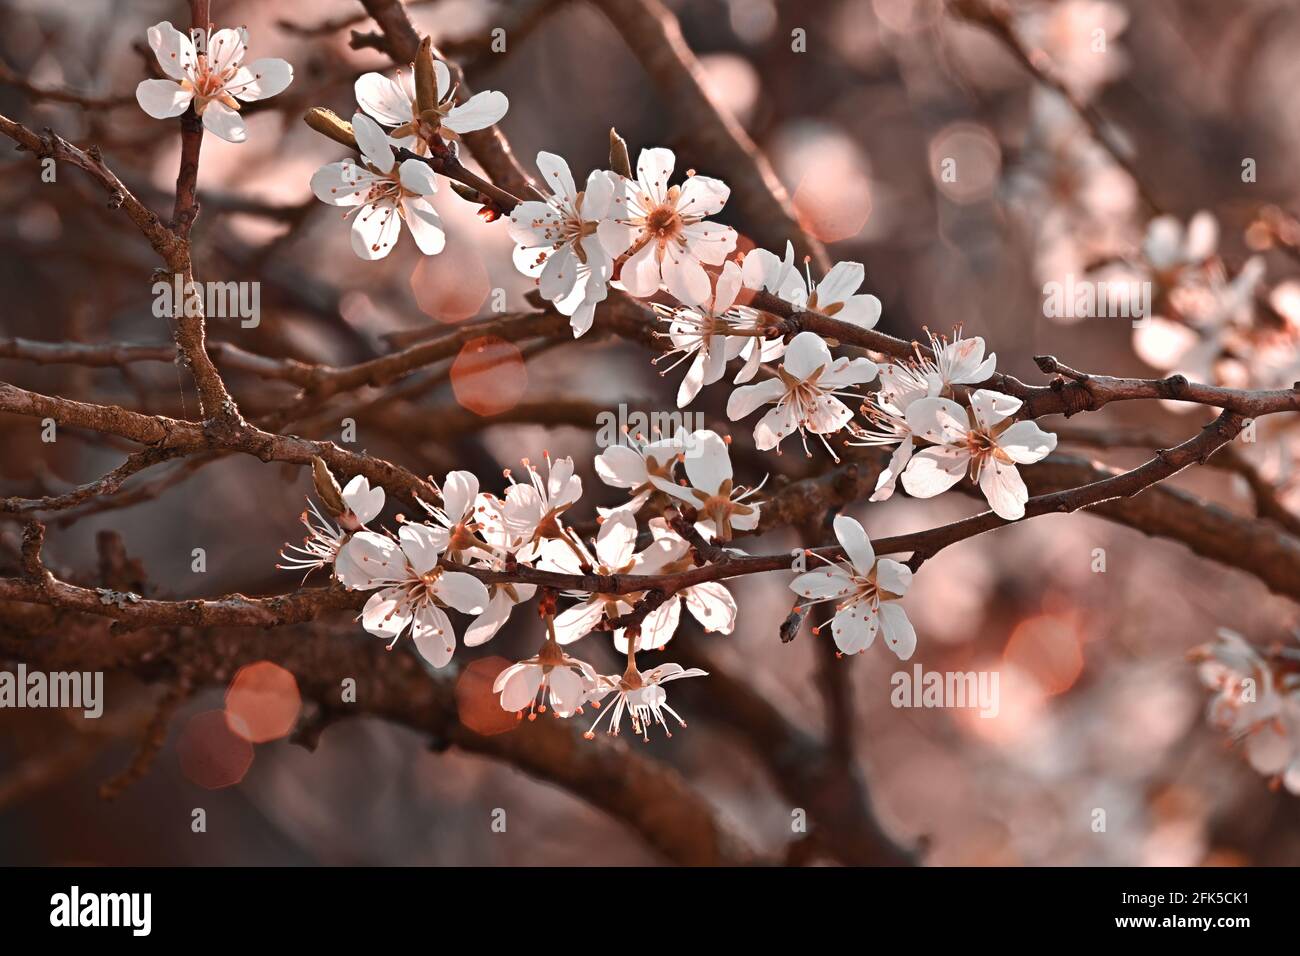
207	69
805	391
557	242
615	553
641	695
981	441
411	589
549	675
710	602
721	505
382	195
715	332
324	537
865	590
664	230
1251	703
633	462
392	102
836	295
532	510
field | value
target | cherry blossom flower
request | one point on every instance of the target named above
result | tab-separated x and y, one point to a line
709	602
836	295
558	244
324	538
715	332
664	231
959	362
411	589
1216	314
392	102
383	195
531	513
456	531
551	673
207	69
615	554
982	441
1245	695
1253	705
633	463
642	696
864	589
721	505
804	391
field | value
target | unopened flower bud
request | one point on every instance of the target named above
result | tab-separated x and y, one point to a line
619	161
328	123
327	489
426	81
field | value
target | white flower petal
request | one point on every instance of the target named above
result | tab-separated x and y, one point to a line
461	591
899	634
1026	443
1004	489
388	101
220	120
806	353
933	471
363	501
386	613
375	229
163	99
261	79
485	626
853	539
517	685
713	606
373	143
433	635
478	112
854	628
654	167
425	225
174	50
578	620
421	546
702	196
844	279
555	172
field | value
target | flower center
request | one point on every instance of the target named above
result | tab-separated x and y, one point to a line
663	222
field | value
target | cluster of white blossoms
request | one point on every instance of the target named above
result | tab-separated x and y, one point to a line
654	235
439	565
1257	703
646	236
914	404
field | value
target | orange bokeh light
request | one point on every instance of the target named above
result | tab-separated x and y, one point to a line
262	702
451	286
480	709
211	754
1047	648
488	377
833	207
